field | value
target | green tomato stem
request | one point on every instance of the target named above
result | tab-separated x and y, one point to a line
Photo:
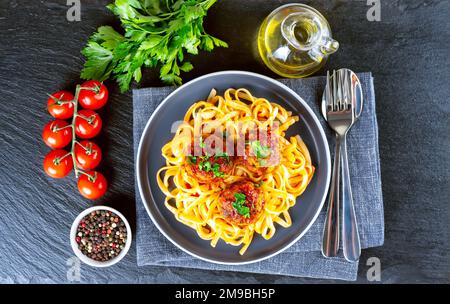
77	170
75	114
56	129
88	119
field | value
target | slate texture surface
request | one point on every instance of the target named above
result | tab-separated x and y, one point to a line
407	52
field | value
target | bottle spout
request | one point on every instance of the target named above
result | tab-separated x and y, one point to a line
329	46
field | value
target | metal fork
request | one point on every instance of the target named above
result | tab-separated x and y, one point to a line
340	116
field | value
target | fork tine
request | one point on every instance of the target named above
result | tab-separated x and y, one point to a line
349	90
348	87
339	90
345	90
335	105
328	93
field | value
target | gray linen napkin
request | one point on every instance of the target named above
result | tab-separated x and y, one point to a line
304	257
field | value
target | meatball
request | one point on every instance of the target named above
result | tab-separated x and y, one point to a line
241	203
260	155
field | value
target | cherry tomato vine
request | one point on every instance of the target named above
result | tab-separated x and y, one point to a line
84	155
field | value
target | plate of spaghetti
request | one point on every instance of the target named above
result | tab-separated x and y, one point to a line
233	167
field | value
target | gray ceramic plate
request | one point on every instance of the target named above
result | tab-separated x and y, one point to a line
157	133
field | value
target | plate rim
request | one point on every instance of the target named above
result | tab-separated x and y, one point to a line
308	109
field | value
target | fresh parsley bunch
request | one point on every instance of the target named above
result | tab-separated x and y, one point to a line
157	32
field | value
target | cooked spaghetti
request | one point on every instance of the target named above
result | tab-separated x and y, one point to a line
231	172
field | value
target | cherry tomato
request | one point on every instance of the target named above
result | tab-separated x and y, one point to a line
58	110
55	165
88	155
92	188
89	125
96	97
56	134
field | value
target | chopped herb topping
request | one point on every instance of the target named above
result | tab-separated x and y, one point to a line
205	165
204	157
192	159
222	154
201	143
216	170
239	205
260	150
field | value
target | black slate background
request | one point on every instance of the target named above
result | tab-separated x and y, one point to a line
408	53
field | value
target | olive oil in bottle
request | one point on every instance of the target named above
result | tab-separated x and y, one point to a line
295	40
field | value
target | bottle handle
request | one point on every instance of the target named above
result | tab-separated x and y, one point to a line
329	46
288	29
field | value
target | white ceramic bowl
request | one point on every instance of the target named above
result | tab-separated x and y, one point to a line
88	260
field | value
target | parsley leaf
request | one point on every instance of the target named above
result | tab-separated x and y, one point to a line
204	157
216	170
240	197
156	32
239	205
99	67
207	166
222	154
192	159
186	67
259	150
202	144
